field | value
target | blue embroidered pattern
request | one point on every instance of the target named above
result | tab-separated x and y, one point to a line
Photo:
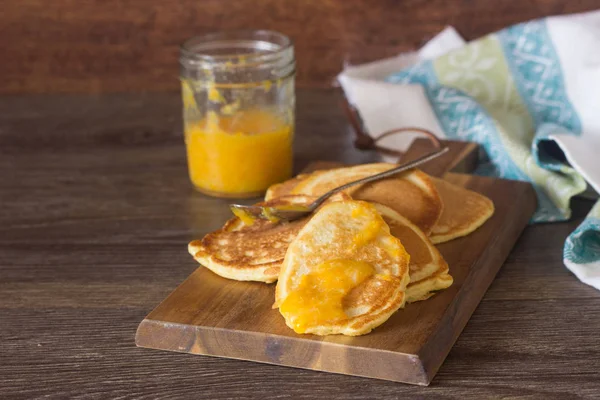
536	69
539	79
583	245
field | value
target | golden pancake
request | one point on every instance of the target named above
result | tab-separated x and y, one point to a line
249	252
252	250
428	270
464	211
284	188
411	193
344	273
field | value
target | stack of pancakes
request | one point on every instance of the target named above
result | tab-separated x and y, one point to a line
414	208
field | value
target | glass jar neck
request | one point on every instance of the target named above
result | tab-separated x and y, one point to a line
238	57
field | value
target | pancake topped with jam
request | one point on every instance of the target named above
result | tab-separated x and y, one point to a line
344	273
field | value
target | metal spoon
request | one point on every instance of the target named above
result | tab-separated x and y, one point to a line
299	211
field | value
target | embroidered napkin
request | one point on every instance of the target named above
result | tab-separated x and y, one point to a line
529	94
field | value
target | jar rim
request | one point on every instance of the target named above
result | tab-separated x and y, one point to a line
229	48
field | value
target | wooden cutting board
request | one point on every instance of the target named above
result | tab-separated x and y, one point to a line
214	316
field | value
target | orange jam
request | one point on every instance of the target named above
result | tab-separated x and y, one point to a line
373	227
368	233
318	297
240	154
244	216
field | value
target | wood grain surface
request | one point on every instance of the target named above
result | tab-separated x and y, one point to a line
96	211
132	45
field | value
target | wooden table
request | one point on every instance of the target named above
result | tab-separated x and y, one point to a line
96	211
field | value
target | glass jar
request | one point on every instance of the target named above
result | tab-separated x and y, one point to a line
238	97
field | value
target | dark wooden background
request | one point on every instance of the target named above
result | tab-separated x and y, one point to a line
132	45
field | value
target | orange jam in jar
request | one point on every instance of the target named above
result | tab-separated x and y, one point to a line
238	96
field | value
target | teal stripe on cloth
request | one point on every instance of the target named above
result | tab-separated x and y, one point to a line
581	253
537	73
538	76
583	245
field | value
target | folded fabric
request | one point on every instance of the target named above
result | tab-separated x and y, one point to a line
529	94
582	249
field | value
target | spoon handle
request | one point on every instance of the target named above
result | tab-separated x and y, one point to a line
385	174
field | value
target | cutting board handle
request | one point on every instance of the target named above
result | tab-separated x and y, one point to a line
462	157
